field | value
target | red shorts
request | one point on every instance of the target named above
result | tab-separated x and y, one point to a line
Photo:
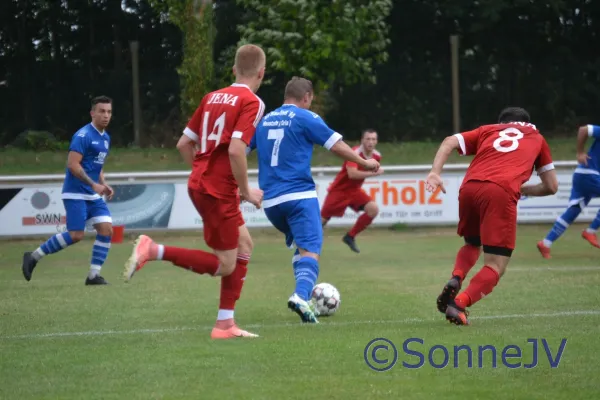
487	211
221	219
336	203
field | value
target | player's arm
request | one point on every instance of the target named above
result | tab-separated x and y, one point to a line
464	143
186	145
545	169
582	135
341	149
547	187
241	138
355	174
74	165
323	135
109	190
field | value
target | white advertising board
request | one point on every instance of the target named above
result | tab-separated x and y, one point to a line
33	209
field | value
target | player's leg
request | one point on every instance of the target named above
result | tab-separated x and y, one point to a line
577	202
360	202
468	228
304	221
76	215
589	233
99	217
498	236
232	284
198	261
334	206
280	216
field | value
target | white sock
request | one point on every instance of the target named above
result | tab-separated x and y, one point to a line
94	272
225	314
161	252
38	254
547	243
590	230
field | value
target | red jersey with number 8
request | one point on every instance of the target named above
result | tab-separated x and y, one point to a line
505	154
231	112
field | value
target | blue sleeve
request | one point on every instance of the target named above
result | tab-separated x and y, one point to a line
594	131
252	145
79	143
319	132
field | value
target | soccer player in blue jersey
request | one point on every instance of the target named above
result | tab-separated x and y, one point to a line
585	186
82	193
284	141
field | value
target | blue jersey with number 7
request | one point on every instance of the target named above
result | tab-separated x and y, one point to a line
284	141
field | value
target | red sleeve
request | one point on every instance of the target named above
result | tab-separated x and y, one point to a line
250	115
192	130
350	164
543	162
468	141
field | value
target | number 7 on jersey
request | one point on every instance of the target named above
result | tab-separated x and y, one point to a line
277	135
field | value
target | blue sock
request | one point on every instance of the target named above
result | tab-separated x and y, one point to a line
561	224
53	245
99	254
306	272
595	223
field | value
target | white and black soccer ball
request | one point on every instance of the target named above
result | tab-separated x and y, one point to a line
326	299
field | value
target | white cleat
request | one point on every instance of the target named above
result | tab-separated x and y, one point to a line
303	309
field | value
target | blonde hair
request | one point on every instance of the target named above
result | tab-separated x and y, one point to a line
249	60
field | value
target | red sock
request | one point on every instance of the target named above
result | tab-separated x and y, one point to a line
361	223
198	261
465	260
480	286
231	285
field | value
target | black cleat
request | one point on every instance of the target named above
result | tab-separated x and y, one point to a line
457	315
98	280
29	264
448	294
349	240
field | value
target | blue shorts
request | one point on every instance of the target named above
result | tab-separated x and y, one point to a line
584	188
300	221
82	212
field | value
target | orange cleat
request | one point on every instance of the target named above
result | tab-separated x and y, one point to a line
230	333
144	250
544	250
457	315
591	238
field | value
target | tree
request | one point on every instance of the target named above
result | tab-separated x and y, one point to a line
194	19
337	42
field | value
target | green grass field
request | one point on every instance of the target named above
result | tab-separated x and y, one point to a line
149	339
18	162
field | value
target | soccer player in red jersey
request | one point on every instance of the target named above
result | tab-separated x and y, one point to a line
220	129
346	190
506	154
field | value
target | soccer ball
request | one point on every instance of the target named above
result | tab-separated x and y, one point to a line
326	299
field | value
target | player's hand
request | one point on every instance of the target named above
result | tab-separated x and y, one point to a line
371	165
434	181
109	192
98	188
582	158
255	196
378	172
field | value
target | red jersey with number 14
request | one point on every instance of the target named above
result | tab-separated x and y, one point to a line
505	154
342	181
231	112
